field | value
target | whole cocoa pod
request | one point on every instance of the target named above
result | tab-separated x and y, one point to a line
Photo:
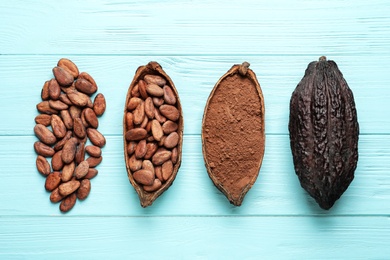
324	132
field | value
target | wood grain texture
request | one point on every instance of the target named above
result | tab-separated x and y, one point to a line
196	42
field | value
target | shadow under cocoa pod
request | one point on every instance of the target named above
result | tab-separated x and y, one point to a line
233	137
152	132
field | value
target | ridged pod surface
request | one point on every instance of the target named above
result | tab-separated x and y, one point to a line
233	137
324	132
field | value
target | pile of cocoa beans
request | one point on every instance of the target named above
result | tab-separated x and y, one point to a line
67	119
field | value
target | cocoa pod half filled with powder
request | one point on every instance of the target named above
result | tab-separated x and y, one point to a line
153	132
233	137
324	132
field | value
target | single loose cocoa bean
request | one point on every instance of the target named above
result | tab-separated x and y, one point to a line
91	118
81	170
169	127
136	134
80	153
169	112
156	130
58	105
94	161
134	163
140	150
60	144
68	202
67	119
99	104
43	165
78	98
86	76
155	79
54	89
167	169
161	156
92	172
68	187
139	114
44	134
85	86
58	126
64	98
43	150
155	186
45	108
63	77
133	103
149	108
69	66
52	181
96	137
93	150
84	190
83	120
169	96
172	140
154	90
45	91
68	171
43	119
69	150
75	112
78	128
55	196
56	161
151	148
144	177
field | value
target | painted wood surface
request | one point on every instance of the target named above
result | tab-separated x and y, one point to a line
196	42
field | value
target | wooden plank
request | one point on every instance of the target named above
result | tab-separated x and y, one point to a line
22	78
205	27
276	191
195	237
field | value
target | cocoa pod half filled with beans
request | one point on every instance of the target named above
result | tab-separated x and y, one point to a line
233	137
324	132
152	132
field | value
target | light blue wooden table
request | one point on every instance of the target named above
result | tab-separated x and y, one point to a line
196	42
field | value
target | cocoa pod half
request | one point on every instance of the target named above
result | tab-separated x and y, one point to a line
141	131
233	138
324	132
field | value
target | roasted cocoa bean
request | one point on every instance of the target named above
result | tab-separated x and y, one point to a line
56	161
63	76
134	163
131	148
58	126
151	148
170	112
91	118
78	128
169	96
58	105
55	196
80	153
144	177
67	119
92	172
99	104
85	86
78	98
86	76
81	170
161	156
136	134
60	144
43	165
155	186
54	89
94	161
68	171
44	107
93	150
139	114
96	137
45	91
69	66
167	170
129	121
169	127
133	103
84	189
52	181
140	149
43	119
142	89
69	150
158	101
156	130
149	108
43	150
155	79
68	203
68	187
171	140
44	134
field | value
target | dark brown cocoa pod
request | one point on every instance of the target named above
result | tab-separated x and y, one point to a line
324	132
140	91
233	137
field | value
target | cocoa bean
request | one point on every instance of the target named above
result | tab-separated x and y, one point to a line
45	108
69	66
78	98
68	172
149	108
63	77
44	134
144	177
68	187
136	134
169	112
85	86
169	96
151	148
154	90
156	130
155	186
162	140
58	126
142	89
155	79
148	165
78	128
94	161
84	190
64	98
69	150
144	123
158	172
129	121
140	150
68	203
134	163
55	196
80	153
83	120
167	170
43	119
45	91
160	157
175	155
169	127
135	92
56	161
58	105
67	119
54	89
60	144
133	103
91	118
52	181
160	118
86	76
75	112
43	165
99	104
131	148
172	140
139	114
93	150
43	150
81	170
92	172
96	137
158	101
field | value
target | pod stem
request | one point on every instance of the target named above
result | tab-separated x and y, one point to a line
322	58
243	69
